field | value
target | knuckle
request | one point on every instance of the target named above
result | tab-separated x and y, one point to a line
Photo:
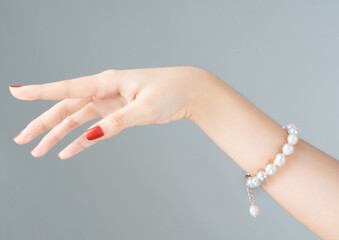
146	101
116	121
63	112
108	73
103	82
194	68
149	110
39	125
54	138
82	143
42	90
90	107
72	123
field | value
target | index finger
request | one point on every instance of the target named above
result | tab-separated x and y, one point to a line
73	88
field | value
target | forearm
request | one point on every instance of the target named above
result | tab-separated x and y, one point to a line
306	186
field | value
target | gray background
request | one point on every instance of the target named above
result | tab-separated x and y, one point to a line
160	181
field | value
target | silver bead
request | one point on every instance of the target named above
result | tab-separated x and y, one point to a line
270	169
280	159
261	176
292	139
288	149
255	182
254	210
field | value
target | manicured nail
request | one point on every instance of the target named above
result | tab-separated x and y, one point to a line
16	86
94	133
17	135
34	148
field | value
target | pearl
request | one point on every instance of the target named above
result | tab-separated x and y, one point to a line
288	149
289	125
249	182
254	210
261	176
292	139
255	182
280	159
293	130
270	169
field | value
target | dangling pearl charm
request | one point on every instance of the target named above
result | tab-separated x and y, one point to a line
254	210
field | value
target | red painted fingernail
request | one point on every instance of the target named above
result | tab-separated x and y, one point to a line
17	135
16	86
34	148
94	133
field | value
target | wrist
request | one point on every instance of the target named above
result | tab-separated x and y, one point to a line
208	99
235	124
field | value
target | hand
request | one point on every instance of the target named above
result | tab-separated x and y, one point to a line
122	98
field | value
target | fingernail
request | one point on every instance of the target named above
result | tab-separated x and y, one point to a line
59	156
16	86
94	133
34	148
17	135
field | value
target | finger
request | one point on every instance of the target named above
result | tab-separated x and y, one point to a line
73	121
130	115
50	118
74	88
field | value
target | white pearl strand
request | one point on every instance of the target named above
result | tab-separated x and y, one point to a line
270	168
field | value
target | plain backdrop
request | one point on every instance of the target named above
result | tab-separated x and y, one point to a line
160	181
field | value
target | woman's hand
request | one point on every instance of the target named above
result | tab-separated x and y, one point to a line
123	98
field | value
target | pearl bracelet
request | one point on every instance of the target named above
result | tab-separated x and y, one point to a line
271	168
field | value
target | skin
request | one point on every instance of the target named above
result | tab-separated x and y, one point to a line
306	186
